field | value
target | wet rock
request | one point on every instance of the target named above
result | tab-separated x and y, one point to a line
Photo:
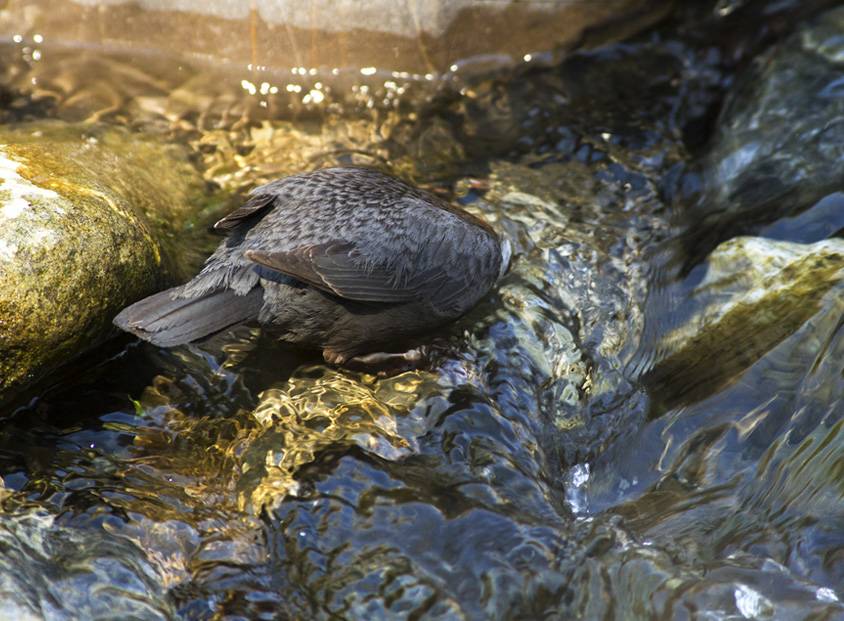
782	126
750	295
225	63
420	38
87	223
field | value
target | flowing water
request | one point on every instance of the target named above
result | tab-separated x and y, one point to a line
641	420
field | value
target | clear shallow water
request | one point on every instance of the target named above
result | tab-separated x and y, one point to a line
554	460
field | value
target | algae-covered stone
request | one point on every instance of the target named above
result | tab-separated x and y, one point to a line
756	293
87	216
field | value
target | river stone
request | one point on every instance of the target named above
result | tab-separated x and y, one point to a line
87	216
755	293
762	153
410	36
225	63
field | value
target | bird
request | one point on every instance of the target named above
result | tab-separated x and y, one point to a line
350	260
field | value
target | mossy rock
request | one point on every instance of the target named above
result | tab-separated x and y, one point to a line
88	217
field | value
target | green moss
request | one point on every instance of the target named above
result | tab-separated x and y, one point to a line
92	225
760	293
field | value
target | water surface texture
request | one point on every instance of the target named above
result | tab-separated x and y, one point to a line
642	420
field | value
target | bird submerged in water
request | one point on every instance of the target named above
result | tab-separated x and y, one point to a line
348	260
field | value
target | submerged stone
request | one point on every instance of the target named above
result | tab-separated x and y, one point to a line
268	58
754	294
109	576
319	409
87	216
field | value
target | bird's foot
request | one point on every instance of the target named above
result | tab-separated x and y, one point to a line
383	364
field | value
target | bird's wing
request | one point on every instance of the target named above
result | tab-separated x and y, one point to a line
258	204
335	267
425	255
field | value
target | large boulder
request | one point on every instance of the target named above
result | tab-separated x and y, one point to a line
87	217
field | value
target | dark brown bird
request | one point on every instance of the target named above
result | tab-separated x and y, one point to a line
349	260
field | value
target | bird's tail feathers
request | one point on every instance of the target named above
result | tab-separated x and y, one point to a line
165	319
